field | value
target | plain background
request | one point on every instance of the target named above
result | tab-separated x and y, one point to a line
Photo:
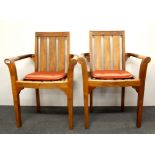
19	20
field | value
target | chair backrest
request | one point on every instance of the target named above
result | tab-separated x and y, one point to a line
107	50
52	51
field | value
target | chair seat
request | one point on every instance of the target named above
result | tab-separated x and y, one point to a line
45	76
111	74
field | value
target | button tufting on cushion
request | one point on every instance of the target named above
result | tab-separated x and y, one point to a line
45	76
111	74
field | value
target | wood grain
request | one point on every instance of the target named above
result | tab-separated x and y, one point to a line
91	50
52	54
116	52
97	52
107	53
61	54
43	53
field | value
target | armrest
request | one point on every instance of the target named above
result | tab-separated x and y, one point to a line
13	59
10	62
127	55
72	62
72	55
143	65
86	56
73	59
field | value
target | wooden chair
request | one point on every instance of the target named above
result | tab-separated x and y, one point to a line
54	67
107	69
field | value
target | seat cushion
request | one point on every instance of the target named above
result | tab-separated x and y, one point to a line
45	76
111	74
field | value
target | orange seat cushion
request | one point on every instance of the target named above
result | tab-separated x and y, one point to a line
111	74
45	76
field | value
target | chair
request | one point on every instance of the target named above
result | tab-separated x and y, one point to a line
107	69
54	67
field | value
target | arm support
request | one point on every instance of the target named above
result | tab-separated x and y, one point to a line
143	65
82	61
86	56
72	62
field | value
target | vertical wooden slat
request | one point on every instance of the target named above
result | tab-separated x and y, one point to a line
107	51
61	54
116	52
68	51
123	51
47	54
52	54
36	53
98	52
43	52
90	48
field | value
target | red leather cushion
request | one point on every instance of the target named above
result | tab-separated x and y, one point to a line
45	76
111	74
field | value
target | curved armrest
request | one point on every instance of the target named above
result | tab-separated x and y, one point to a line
12	67
72	55
137	56
143	65
73	59
9	60
86	56
72	62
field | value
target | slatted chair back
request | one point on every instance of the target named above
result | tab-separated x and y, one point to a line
107	50
52	51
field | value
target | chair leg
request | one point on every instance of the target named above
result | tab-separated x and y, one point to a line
91	101
122	98
17	110
70	108
140	107
86	113
37	100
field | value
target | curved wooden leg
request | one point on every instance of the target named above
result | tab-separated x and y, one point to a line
122	98
86	113
70	108
37	100
91	100
17	110
140	107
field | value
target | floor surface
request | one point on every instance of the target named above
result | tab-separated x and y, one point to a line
54	120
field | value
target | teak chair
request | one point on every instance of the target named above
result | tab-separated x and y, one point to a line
54	67
107	69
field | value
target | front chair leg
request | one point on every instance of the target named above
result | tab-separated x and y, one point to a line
86	113
140	106
37	100
122	98
17	109
70	108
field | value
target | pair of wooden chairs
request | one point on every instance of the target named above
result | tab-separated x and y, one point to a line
54	67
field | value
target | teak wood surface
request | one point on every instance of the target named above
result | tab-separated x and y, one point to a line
110	42
52	53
